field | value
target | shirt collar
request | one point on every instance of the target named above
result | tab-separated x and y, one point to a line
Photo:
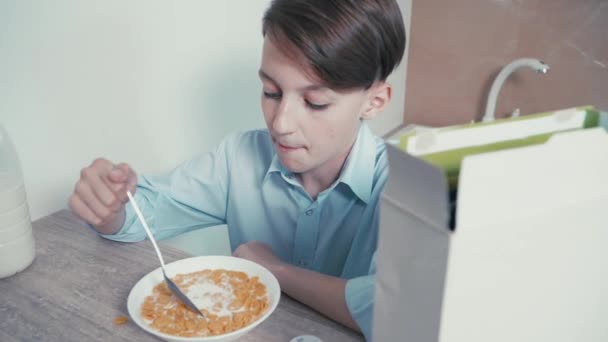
358	170
276	166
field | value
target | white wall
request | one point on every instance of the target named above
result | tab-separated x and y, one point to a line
147	82
393	114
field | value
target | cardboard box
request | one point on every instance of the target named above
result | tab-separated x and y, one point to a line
526	261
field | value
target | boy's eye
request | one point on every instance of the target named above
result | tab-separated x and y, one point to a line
278	95
314	106
274	96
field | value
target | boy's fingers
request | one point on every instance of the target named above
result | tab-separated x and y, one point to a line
128	182
87	195
131	185
99	166
96	198
104	193
117	175
120	173
124	167
132	182
83	211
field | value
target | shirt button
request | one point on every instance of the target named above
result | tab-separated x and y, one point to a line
309	212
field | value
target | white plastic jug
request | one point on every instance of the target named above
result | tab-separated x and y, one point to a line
17	248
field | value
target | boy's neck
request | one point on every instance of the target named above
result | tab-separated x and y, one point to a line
317	180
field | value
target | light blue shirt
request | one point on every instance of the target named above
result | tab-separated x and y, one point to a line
243	184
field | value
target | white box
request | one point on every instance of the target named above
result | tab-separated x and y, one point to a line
527	260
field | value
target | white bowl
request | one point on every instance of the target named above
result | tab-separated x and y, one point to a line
16	255
12	217
145	285
15	231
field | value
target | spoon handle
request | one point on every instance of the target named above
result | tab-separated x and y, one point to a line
146	228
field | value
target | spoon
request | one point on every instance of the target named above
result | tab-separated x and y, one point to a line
172	286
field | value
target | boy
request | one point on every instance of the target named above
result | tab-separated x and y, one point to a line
302	196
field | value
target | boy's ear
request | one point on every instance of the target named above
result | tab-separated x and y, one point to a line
379	96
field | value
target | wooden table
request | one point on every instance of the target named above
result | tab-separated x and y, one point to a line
79	282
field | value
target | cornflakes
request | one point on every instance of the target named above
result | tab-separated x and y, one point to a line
230	301
120	320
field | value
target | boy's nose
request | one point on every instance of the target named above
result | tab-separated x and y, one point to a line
284	122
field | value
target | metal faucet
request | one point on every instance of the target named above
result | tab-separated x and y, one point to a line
507	70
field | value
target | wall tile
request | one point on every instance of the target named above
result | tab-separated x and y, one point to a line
457	49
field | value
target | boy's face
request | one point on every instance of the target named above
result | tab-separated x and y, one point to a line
312	127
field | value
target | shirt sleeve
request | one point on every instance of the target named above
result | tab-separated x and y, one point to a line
193	195
359	295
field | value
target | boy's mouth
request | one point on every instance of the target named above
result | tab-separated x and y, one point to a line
287	148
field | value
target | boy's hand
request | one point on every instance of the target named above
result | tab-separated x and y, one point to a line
260	253
101	192
322	292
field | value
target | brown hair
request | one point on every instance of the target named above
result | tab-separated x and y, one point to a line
347	43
